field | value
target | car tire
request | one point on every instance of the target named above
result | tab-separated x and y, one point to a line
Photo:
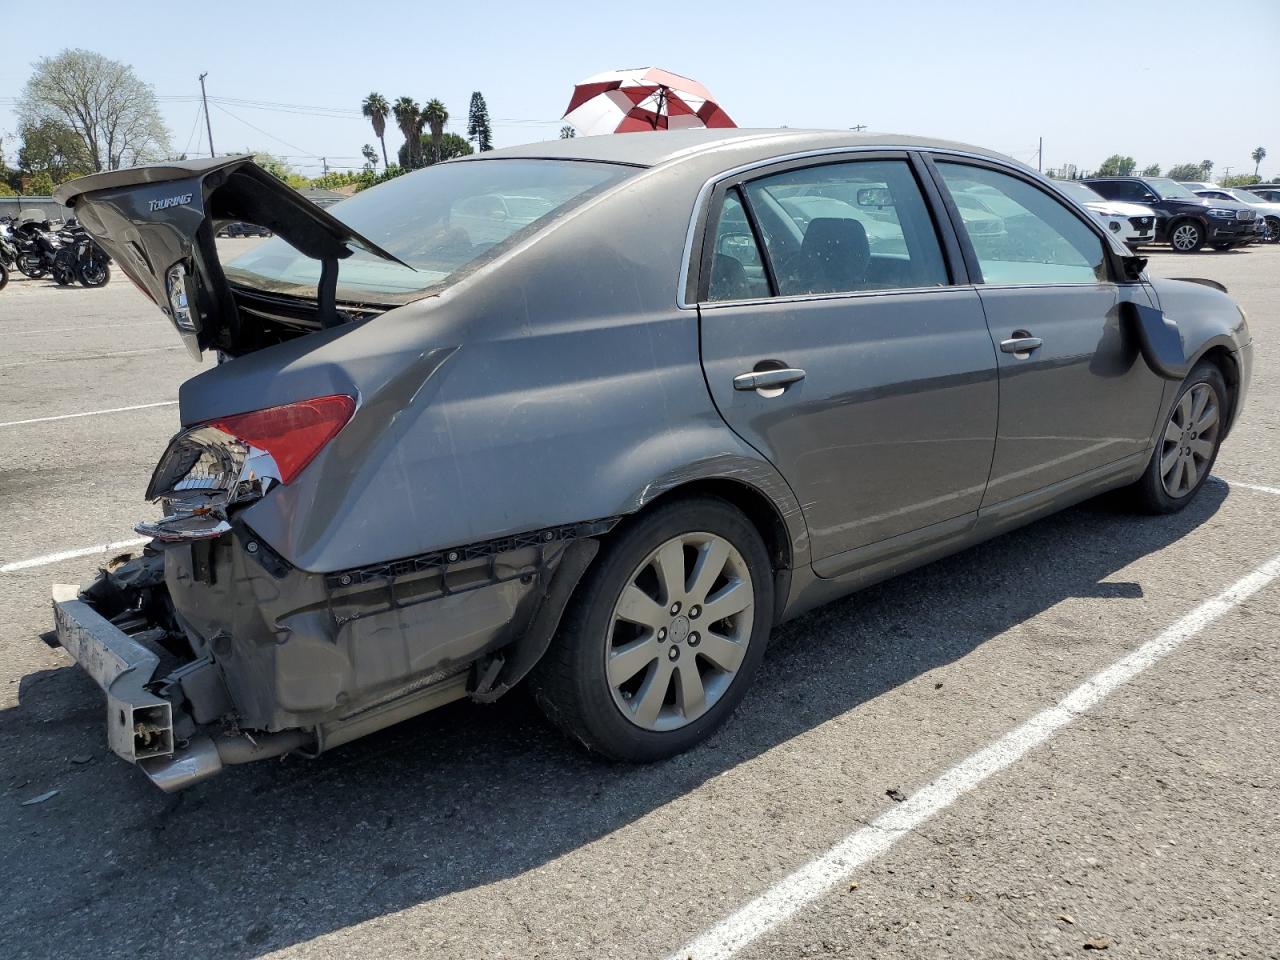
582	683
1186	236
1187	445
1273	230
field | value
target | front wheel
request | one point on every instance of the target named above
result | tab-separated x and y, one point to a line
94	271
664	634
1273	230
1188	446
1187	236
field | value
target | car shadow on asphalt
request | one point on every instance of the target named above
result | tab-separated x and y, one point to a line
274	854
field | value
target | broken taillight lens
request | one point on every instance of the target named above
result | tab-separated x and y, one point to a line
218	464
292	434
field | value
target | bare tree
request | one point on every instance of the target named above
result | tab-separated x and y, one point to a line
109	109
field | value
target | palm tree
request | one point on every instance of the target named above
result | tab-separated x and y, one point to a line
1259	154
376	108
436	116
409	120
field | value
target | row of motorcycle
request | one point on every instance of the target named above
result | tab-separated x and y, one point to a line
66	253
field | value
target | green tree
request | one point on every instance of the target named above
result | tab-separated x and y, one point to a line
1185	171
6	190
1117	166
451	145
436	116
567	132
409	119
279	169
376	108
37	184
478	128
111	111
52	147
1259	154
1151	171
1241	180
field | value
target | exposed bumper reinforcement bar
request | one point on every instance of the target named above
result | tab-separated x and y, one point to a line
139	724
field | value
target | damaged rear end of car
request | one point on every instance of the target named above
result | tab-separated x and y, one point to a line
265	617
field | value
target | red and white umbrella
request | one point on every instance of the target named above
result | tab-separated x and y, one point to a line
629	101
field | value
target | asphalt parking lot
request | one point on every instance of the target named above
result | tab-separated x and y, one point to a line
1144	823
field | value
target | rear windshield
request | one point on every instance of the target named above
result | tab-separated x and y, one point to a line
442	221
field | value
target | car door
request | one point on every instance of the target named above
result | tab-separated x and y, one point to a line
835	341
1075	394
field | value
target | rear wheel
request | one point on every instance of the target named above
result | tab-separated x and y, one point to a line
1188	446
30	266
664	635
1273	230
1186	236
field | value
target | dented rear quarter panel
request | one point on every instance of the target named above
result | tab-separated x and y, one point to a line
557	384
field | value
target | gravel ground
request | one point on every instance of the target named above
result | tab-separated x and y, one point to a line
1148	824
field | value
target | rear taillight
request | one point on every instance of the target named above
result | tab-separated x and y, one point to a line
235	460
291	434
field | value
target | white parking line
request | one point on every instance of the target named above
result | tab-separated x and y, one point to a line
1254	486
72	554
791	894
89	413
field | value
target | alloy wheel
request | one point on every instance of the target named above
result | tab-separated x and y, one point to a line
1190	439
679	631
1185	237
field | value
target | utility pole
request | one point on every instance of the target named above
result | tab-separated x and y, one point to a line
859	128
208	125
1040	156
324	162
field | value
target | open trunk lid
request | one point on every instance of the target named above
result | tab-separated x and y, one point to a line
158	222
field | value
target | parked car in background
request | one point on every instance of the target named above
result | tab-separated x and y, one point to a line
237	229
1186	222
1269	192
603	436
1268	211
1132	223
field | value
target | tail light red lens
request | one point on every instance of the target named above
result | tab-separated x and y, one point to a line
292	434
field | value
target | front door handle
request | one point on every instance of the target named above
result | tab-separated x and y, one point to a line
767	379
1021	344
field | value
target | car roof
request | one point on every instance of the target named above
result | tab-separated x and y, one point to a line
746	145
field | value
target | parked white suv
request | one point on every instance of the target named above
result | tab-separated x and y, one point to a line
1132	223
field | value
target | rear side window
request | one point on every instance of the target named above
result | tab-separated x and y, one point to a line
442	222
737	269
846	227
1126	190
1020	233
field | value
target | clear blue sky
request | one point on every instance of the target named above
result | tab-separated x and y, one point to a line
1093	77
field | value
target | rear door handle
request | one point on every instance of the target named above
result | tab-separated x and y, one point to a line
767	379
1021	346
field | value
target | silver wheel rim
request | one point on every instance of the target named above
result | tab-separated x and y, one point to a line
1184	238
679	631
1190	438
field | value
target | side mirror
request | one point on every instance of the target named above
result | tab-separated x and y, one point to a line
1149	197
1133	267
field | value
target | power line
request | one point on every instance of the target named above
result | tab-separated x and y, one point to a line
265	133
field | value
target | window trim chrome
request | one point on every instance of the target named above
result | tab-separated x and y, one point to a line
698	217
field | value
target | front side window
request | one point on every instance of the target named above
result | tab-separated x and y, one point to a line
1170	189
1020	233
442	222
847	227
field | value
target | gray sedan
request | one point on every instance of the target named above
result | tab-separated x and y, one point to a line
596	415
